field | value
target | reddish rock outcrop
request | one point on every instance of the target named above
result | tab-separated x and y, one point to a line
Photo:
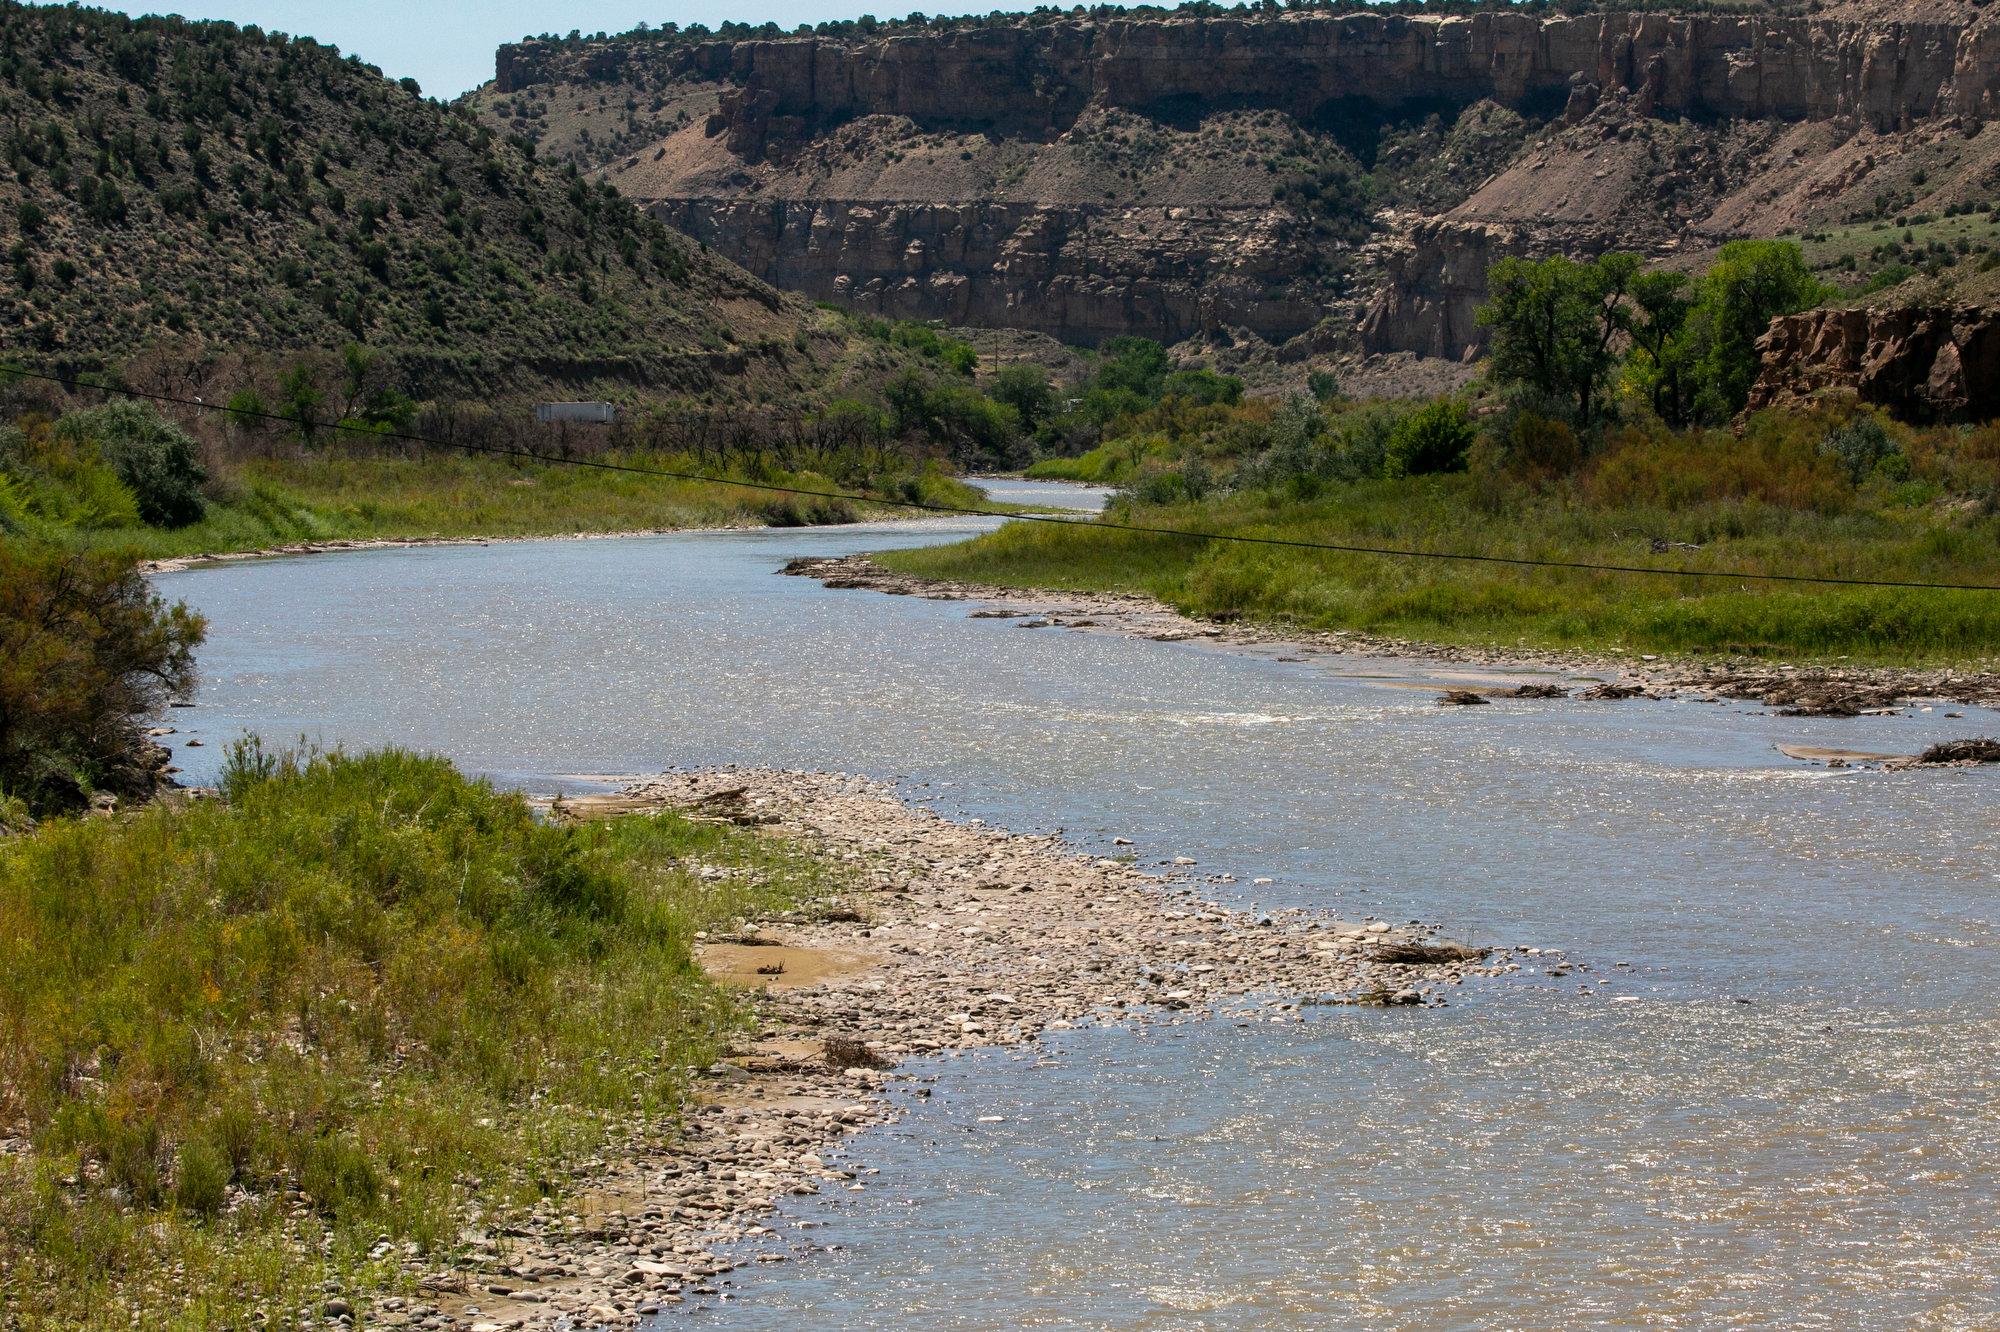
1937	364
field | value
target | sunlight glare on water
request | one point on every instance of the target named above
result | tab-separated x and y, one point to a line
1794	1125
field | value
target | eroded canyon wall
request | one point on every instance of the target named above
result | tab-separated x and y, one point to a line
800	168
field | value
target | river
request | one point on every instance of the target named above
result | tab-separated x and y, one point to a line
1781	1113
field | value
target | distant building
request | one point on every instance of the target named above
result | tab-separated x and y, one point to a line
584	413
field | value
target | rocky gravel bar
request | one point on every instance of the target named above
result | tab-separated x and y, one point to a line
949	936
1799	690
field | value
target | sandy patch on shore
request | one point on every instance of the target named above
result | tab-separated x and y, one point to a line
778	966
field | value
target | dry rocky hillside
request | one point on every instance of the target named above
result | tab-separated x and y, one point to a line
182	191
1320	183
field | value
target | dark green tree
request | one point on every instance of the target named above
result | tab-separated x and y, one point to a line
1555	323
1750	284
1656	319
1131	364
1026	388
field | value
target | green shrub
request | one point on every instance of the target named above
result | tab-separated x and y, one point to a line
1434	438
1538	448
1203	386
1297	460
54	480
337	1174
1860	446
201	1178
156	459
87	654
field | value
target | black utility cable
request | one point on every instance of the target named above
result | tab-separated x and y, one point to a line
1099	524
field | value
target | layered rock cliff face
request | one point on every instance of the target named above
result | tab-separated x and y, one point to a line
1038	78
1940	363
1163	176
1077	272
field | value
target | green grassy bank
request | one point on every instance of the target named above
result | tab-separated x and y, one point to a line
60	487
1895	537
248	1040
268	503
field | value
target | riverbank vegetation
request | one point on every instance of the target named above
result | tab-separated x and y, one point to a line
259	1049
122	476
88	654
1602	434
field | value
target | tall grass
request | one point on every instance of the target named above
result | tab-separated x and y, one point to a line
275	502
1917	540
362	998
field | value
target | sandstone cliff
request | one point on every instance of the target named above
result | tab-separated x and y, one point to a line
1940	363
1182	176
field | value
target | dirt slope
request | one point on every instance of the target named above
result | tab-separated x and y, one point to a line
1321	180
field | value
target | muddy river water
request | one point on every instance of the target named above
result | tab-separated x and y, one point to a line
1783	1112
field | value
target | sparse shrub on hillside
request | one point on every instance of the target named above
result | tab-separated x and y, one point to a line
188	195
959	357
1334	192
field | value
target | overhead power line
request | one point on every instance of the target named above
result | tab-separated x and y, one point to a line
928	506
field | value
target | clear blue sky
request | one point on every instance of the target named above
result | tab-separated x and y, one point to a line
447	45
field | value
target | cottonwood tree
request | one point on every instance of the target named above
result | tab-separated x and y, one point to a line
1689	347
1750	284
1657	366
1556	324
